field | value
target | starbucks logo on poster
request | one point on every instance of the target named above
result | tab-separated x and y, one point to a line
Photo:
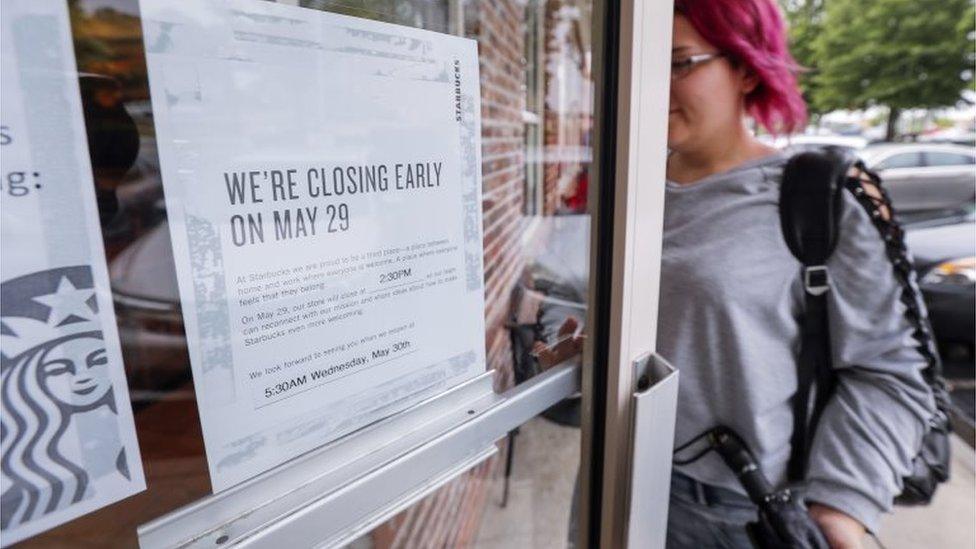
60	427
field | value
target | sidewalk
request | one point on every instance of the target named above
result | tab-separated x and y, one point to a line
541	490
951	519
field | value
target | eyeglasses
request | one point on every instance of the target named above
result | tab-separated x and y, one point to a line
681	68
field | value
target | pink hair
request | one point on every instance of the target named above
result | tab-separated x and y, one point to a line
753	34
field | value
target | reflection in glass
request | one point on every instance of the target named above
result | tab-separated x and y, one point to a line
536	89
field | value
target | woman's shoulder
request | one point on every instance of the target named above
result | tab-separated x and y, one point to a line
751	175
766	176
863	212
772	167
765	169
869	222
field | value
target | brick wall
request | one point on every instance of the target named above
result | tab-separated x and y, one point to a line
501	35
450	517
568	106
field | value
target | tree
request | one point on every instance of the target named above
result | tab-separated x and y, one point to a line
967	26
805	20
899	53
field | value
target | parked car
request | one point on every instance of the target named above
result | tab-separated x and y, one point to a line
945	256
952	135
147	308
794	144
922	176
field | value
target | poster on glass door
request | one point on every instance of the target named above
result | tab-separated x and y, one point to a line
68	438
322	181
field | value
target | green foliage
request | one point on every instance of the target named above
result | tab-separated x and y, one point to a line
967	27
900	53
805	20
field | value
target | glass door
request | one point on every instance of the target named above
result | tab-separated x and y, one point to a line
313	121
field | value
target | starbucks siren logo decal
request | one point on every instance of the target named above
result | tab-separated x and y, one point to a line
60	429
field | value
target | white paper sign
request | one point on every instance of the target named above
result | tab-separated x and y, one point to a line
69	442
322	180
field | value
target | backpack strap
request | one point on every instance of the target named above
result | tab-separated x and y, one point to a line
931	465
810	202
867	190
810	206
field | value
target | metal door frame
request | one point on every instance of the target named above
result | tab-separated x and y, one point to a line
630	164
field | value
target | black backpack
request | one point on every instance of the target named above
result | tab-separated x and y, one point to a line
809	206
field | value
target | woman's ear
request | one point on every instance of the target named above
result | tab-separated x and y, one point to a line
749	80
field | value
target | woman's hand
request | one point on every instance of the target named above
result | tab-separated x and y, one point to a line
841	531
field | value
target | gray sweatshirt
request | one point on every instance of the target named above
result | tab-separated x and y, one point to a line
731	297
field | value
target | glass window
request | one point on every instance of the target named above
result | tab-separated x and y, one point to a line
423	14
902	160
568	106
948	159
534	50
533	114
525	497
537	93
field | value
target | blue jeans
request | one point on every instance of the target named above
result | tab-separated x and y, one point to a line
702	516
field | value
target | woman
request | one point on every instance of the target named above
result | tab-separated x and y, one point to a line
731	296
